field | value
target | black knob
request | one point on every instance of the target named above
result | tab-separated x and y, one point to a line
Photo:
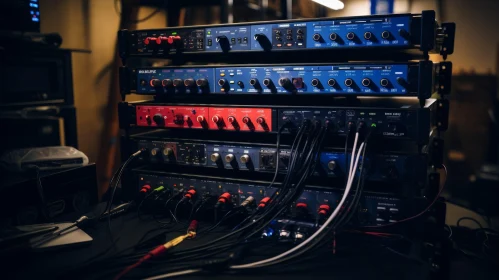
333	36
224	43
401	81
403	33
240	84
178	120
351	36
202	82
366	82
158	119
316	37
348	82
264	42
189	83
331	82
386	34
286	84
368	35
315	82
167	83
178	82
156	83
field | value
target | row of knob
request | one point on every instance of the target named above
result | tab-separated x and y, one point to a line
230	158
179	119
286	83
351	36
168	40
179	83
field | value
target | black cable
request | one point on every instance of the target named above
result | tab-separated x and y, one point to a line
110	202
469	219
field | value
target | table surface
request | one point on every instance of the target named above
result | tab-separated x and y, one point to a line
350	262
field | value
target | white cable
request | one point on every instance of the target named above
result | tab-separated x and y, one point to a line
173	274
352	156
313	236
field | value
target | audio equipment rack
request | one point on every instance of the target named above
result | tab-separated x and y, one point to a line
217	128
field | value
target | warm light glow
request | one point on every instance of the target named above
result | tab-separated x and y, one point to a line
332	4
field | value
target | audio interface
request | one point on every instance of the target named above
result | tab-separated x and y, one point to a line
380	79
402	31
373	209
395	118
392	168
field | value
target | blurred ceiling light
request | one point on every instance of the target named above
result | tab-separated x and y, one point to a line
332	4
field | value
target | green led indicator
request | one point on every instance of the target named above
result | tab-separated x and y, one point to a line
174	33
209	32
373	125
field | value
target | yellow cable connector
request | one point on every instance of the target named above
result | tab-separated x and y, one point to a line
174	242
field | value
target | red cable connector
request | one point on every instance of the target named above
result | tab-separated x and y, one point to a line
190	194
264	202
301	205
193	226
324	209
224	198
145	188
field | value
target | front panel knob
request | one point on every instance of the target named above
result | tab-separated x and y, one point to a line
168	151
331	165
189	83
167	83
245	159
202	82
215	119
200	119
178	82
155	151
155	83
215	157
229	158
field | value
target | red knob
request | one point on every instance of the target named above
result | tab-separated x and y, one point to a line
149	40
246	120
215	119
231	119
260	120
172	39
200	119
161	39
